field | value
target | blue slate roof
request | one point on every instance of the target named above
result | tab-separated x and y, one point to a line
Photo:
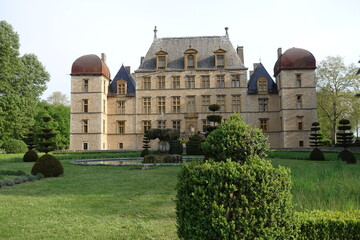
122	74
260	72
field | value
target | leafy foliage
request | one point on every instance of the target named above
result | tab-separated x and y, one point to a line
193	146
228	200
236	140
48	165
22	81
14	146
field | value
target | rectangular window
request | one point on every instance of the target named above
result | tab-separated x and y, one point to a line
263	104
104	105
175	82
85	105
161	123
121	88
121	127
205	124
190	104
220	100
235	103
262	86
161	104
161	82
190	81
205	81
85	126
161	62
104	126
176	104
120	109
147	105
301	143
298	80
205	103
299	102
104	86
176	124
86	85
264	124
146	83
220	61
85	146
235	81
220	81
146	125
300	123
121	145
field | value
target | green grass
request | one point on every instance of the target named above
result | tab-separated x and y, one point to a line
105	202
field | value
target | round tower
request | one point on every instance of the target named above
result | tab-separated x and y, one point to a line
295	76
90	78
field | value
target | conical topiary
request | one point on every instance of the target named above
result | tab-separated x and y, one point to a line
146	146
47	164
345	137
214	119
315	137
31	155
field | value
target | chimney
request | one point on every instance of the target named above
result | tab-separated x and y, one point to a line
226	32
127	69
103	57
142	60
240	52
279	52
155	33
256	65
251	73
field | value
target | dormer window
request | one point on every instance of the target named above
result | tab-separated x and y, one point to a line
190	58
220	60
161	60
121	87
262	86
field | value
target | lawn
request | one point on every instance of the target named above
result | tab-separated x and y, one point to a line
105	202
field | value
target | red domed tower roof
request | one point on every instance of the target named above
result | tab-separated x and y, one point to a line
295	58
90	65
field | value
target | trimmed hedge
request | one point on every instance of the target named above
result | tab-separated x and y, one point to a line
48	165
328	225
30	156
193	146
229	200
14	146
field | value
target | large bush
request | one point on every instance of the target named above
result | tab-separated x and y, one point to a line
14	146
228	200
48	165
236	140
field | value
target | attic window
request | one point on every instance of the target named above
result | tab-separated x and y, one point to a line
161	60
262	86
190	58
121	87
220	61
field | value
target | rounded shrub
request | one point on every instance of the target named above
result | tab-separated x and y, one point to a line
193	146
317	155
30	156
228	200
14	146
48	165
347	156
176	147
236	140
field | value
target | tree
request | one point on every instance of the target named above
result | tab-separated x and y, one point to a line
315	138
215	119
60	123
335	83
22	81
58	98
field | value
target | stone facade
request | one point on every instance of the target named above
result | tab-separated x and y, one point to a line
176	82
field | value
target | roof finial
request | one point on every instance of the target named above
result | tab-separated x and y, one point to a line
226	32
155	31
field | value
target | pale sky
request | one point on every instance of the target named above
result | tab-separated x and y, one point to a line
60	31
